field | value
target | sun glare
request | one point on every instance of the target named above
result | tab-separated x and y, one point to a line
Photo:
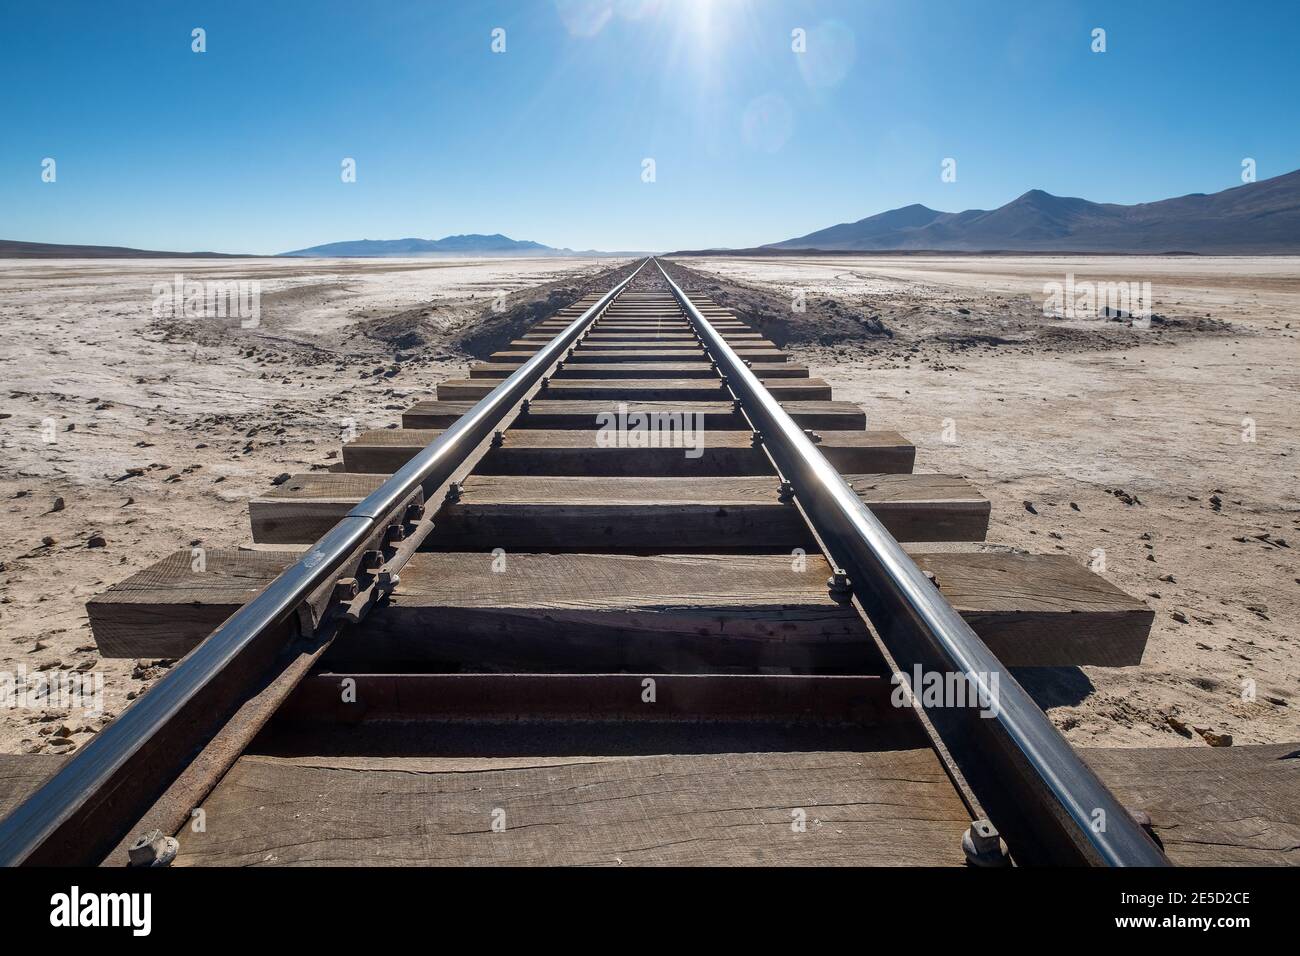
701	32
707	20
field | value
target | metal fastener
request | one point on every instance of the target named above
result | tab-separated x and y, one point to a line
153	849
1143	819
983	846
838	586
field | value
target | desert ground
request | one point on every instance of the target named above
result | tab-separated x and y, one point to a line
1096	438
162	428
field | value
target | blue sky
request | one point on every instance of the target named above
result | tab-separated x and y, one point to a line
238	149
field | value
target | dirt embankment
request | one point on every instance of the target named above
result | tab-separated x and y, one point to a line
785	320
932	327
480	325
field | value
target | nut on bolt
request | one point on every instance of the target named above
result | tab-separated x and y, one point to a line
1143	819
394	533
785	494
838	586
153	849
498	438
983	846
453	491
371	560
346	589
414	512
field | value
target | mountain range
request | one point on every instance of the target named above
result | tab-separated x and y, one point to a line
468	245
1261	218
1252	219
15	249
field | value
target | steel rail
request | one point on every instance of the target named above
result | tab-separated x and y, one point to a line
1042	797
94	768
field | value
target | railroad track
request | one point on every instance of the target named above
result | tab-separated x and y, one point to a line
631	592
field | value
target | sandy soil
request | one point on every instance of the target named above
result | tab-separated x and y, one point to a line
163	428
1118	438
